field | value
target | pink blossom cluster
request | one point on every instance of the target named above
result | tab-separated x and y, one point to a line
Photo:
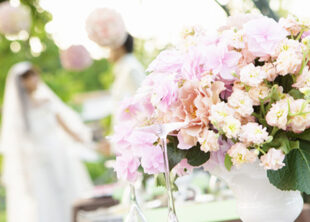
230	89
14	19
75	58
106	27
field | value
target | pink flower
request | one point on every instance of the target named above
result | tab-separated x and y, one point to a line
194	63
273	160
253	133
75	58
122	132
129	110
140	138
183	168
126	167
14	19
162	88
152	160
168	61
222	61
305	34
194	102
240	154
106	27
238	20
263	36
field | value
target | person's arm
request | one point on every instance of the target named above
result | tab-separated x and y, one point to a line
67	129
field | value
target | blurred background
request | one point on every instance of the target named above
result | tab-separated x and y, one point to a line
155	24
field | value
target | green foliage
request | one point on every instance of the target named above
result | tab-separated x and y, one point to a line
295	175
106	124
160	181
228	163
296	94
286	82
99	173
174	153
1	163
194	155
282	141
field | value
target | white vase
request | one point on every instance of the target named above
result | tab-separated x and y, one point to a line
257	199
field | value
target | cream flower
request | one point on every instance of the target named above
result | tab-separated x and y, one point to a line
231	127
234	38
259	92
219	112
273	160
241	102
270	70
251	75
289	61
290	24
277	115
209	141
301	119
303	80
253	133
240	154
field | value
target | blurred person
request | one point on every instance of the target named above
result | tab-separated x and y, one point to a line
128	71
40	135
107	28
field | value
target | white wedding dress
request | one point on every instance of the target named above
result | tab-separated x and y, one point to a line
42	172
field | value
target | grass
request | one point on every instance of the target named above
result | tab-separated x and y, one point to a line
2	216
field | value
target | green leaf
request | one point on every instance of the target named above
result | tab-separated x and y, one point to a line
281	141
286	82
196	157
228	163
303	136
175	155
296	94
295	175
160	180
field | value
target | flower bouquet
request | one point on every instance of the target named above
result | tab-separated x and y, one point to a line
235	98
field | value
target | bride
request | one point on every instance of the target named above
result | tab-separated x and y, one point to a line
40	137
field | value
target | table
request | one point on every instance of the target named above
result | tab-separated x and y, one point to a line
193	212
